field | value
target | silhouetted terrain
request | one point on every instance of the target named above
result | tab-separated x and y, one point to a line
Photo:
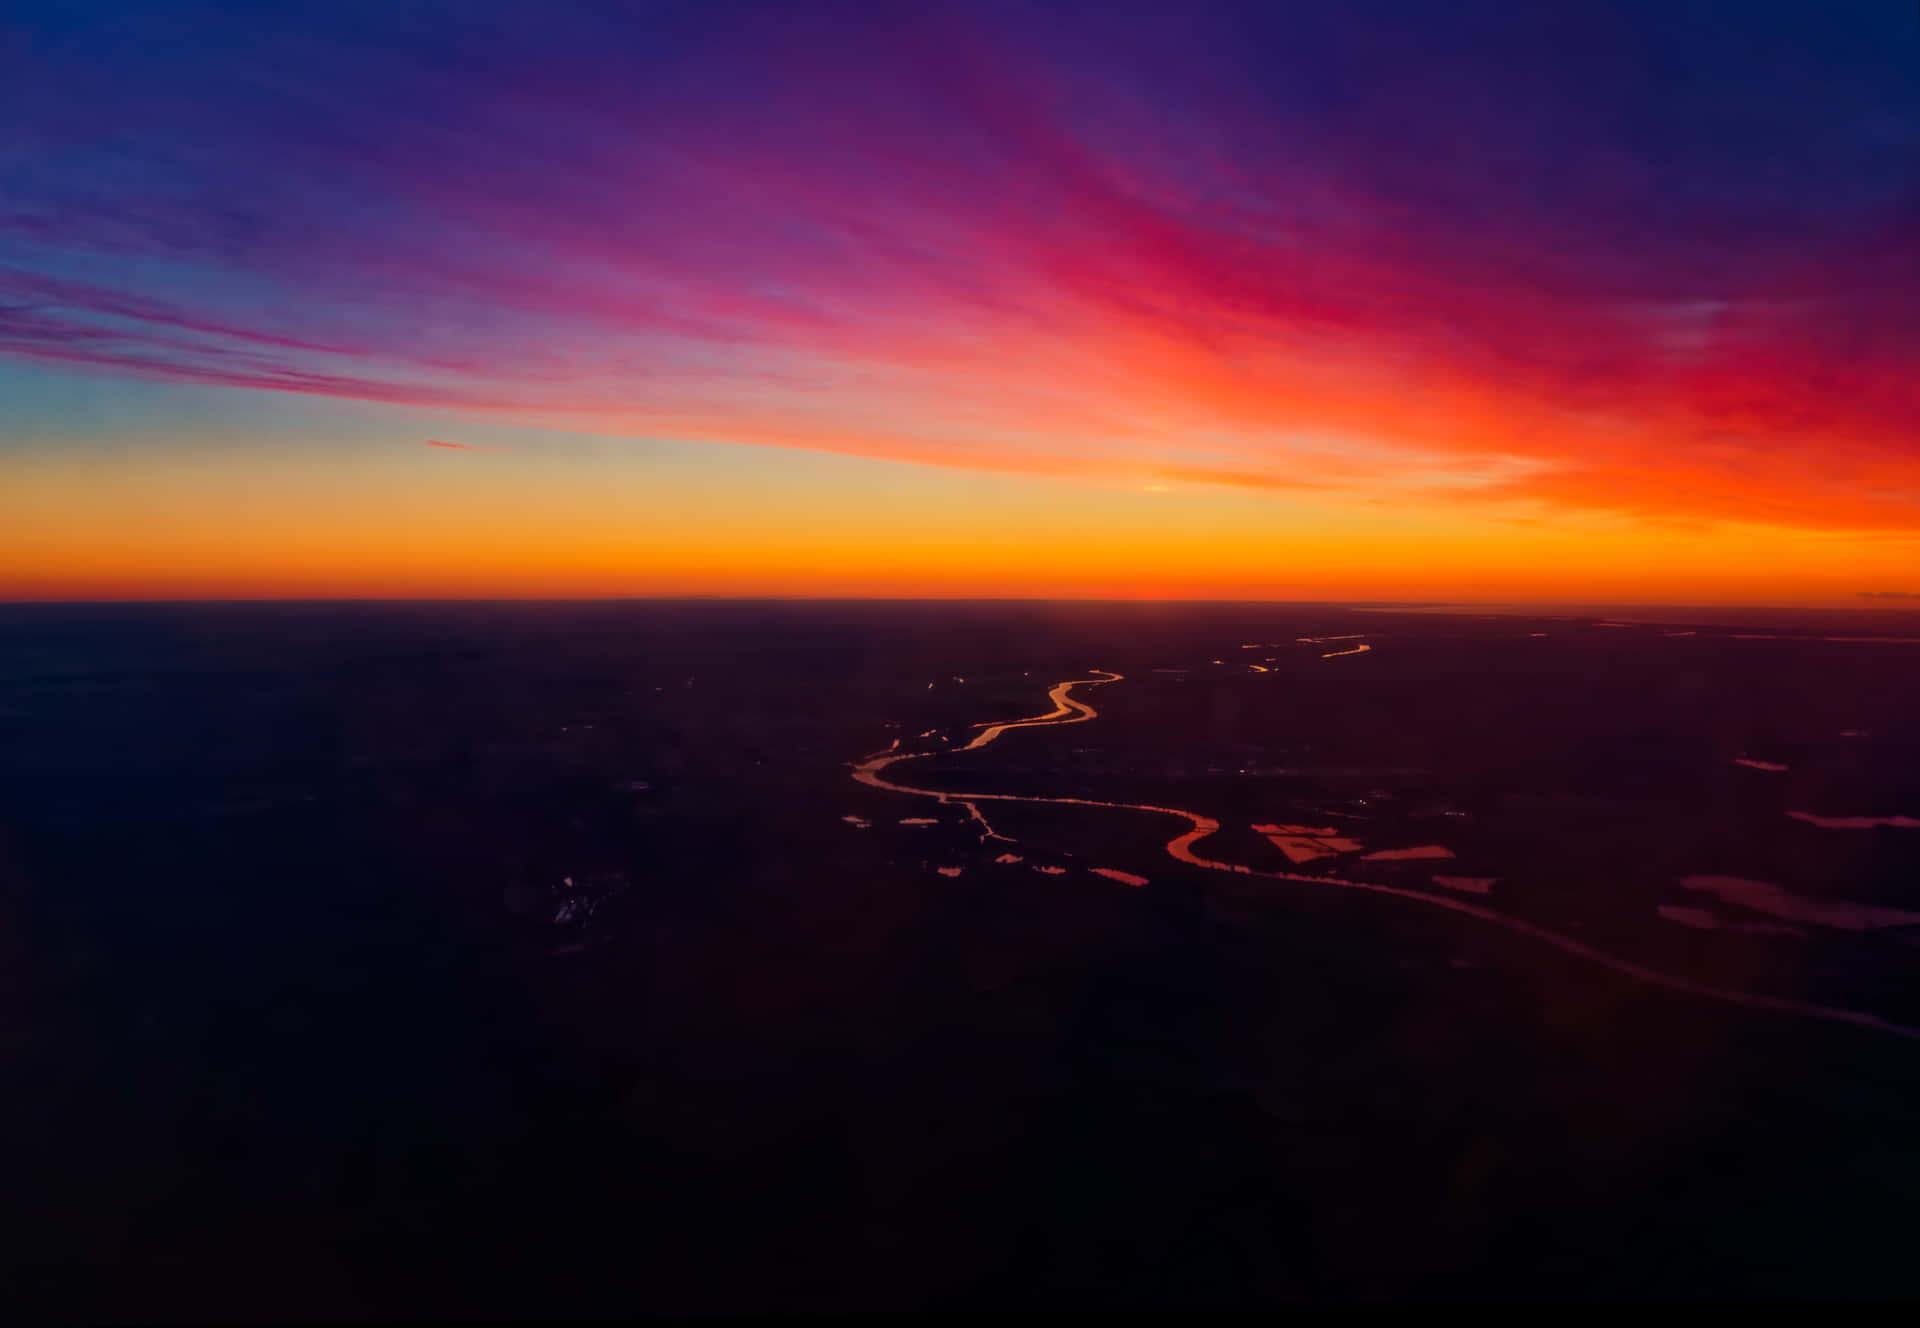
520	959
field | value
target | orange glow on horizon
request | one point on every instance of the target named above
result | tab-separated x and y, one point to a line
291	525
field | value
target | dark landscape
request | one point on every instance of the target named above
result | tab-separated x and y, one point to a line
548	958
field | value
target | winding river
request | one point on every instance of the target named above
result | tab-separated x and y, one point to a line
1068	709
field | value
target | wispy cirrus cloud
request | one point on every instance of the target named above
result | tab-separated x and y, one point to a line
1334	254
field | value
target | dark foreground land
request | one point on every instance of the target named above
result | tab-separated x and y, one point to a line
521	959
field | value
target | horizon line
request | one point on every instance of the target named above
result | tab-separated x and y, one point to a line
1868	602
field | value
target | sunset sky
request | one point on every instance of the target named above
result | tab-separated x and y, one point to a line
1467	301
